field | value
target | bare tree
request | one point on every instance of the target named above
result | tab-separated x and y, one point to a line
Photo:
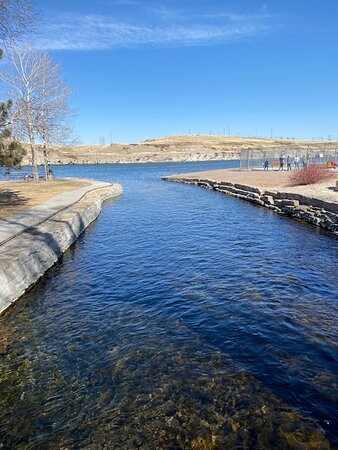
23	79
53	113
40	112
16	17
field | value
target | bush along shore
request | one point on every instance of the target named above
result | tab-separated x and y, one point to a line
317	212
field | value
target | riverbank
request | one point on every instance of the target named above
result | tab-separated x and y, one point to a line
17	196
179	148
316	204
33	239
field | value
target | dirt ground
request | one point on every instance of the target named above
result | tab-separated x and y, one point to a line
16	196
269	180
265	179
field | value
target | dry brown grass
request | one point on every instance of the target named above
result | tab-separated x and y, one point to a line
16	196
209	140
171	148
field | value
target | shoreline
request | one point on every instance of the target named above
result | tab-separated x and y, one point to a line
142	161
179	148
34	243
304	203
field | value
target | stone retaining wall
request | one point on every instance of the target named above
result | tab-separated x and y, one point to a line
25	258
314	211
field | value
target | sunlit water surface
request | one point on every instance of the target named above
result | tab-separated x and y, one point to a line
182	318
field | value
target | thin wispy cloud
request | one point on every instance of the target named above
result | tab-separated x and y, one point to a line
102	32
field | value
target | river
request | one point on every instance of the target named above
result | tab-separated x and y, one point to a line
182	318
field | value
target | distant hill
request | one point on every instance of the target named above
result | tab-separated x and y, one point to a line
172	148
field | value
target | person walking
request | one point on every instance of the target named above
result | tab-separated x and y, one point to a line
296	161
288	163
50	174
281	162
266	164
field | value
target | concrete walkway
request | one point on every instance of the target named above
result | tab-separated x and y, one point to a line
15	224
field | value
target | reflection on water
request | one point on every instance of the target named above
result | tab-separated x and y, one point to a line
181	319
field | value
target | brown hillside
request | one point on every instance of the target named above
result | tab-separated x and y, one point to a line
172	148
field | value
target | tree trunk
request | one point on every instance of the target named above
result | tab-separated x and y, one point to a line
34	164
32	141
45	161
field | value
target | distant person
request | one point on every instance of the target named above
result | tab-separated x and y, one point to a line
296	161
281	162
266	164
288	162
304	162
50	174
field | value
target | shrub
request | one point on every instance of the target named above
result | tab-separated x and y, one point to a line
311	175
11	154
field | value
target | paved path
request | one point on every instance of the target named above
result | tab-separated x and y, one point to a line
17	223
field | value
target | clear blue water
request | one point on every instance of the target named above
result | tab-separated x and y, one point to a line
181	318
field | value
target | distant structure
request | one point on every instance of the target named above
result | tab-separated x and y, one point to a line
255	157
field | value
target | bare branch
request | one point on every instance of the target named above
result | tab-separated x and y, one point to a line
41	112
16	17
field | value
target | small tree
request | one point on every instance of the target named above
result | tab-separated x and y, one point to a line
23	79
5	108
40	97
53	113
11	155
11	152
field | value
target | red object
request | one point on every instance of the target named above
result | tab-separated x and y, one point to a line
311	175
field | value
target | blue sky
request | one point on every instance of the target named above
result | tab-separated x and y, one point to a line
144	69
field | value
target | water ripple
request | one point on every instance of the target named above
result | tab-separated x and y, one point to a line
181	318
